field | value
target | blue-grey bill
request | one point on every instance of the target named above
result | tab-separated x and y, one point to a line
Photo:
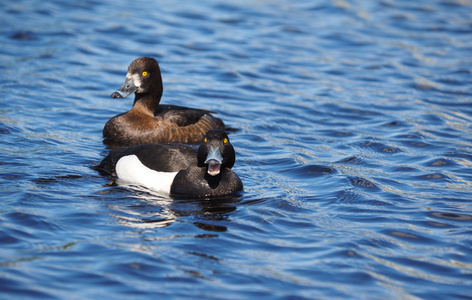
214	161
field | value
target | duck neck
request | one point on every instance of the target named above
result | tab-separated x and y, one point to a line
147	102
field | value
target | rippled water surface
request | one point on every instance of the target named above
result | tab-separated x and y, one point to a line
354	146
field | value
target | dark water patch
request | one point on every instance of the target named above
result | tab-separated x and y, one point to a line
409	236
451	216
377	147
353	160
419	144
363	183
369	79
335	72
394	124
364	161
433	176
379	243
117	30
403	169
336	133
8	238
425	87
309	171
389	150
24	36
436	225
440	162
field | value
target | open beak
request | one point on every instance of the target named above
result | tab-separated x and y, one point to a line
125	90
214	161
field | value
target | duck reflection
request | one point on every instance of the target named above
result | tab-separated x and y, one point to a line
152	210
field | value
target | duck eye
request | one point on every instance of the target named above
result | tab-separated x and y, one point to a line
225	140
205	140
144	74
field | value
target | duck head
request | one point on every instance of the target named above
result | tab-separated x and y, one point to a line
216	152
143	77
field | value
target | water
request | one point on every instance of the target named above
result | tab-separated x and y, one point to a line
354	146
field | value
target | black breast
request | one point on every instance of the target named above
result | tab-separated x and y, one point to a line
195	182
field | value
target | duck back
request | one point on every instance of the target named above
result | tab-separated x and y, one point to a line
168	157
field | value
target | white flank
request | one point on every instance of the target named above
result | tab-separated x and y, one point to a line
129	168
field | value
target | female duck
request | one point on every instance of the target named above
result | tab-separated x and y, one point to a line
177	169
147	121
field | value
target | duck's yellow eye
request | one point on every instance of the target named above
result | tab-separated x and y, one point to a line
225	140
205	140
144	74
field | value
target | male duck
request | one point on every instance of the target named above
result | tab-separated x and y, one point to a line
177	169
147	121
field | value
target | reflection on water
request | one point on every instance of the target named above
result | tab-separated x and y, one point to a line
152	210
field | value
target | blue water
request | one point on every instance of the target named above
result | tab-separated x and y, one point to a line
354	147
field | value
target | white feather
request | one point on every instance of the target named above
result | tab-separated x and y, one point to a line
129	168
137	80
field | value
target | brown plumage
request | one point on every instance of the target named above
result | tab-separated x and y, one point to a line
147	121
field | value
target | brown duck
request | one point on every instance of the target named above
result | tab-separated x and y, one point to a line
148	122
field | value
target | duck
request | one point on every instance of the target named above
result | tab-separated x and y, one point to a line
149	122
177	169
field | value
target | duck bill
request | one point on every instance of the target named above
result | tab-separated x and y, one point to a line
125	90
214	160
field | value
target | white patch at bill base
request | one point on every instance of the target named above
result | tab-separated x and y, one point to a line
136	80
